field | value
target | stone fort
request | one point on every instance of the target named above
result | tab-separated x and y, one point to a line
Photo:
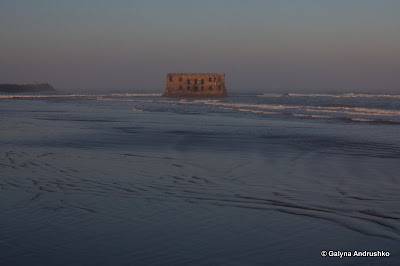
195	85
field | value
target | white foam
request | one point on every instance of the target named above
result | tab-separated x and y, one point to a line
343	95
256	111
123	100
354	111
323	109
272	95
310	111
136	94
19	96
48	96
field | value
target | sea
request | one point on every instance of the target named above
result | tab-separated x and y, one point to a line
252	179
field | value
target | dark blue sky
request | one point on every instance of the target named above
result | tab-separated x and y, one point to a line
293	45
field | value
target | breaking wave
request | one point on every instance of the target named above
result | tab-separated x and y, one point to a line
342	95
321	111
350	107
96	96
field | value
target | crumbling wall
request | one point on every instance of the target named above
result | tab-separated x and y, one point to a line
195	85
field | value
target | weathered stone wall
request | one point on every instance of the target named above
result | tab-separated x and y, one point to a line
195	85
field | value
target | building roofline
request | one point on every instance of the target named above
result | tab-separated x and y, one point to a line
199	73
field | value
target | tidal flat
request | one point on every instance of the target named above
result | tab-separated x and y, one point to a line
134	179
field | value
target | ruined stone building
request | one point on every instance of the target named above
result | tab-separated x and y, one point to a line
195	85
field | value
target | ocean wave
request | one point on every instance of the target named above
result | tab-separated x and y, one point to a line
349	119
50	96
203	101
314	116
312	109
136	94
123	100
272	95
353	114
355	110
342	95
78	95
256	111
377	121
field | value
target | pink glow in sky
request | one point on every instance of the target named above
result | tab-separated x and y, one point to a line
269	45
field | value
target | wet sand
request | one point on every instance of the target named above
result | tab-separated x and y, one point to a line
81	184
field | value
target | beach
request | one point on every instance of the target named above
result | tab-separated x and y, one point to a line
253	179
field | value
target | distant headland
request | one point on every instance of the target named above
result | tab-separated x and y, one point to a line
35	87
195	85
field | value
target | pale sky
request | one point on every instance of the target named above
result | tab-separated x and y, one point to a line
288	46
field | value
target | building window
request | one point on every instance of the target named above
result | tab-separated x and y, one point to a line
202	88
210	79
219	79
210	88
195	81
219	88
180	88
188	88
202	81
180	79
215	79
170	78
195	88
188	81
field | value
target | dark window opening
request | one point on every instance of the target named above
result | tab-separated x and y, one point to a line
219	79
202	88
188	88
219	88
188	81
210	79
195	81
180	79
202	81
170	78
210	88
215	79
180	88
195	88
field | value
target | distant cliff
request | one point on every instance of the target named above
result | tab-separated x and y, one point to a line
36	87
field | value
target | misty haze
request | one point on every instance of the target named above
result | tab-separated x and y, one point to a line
199	132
